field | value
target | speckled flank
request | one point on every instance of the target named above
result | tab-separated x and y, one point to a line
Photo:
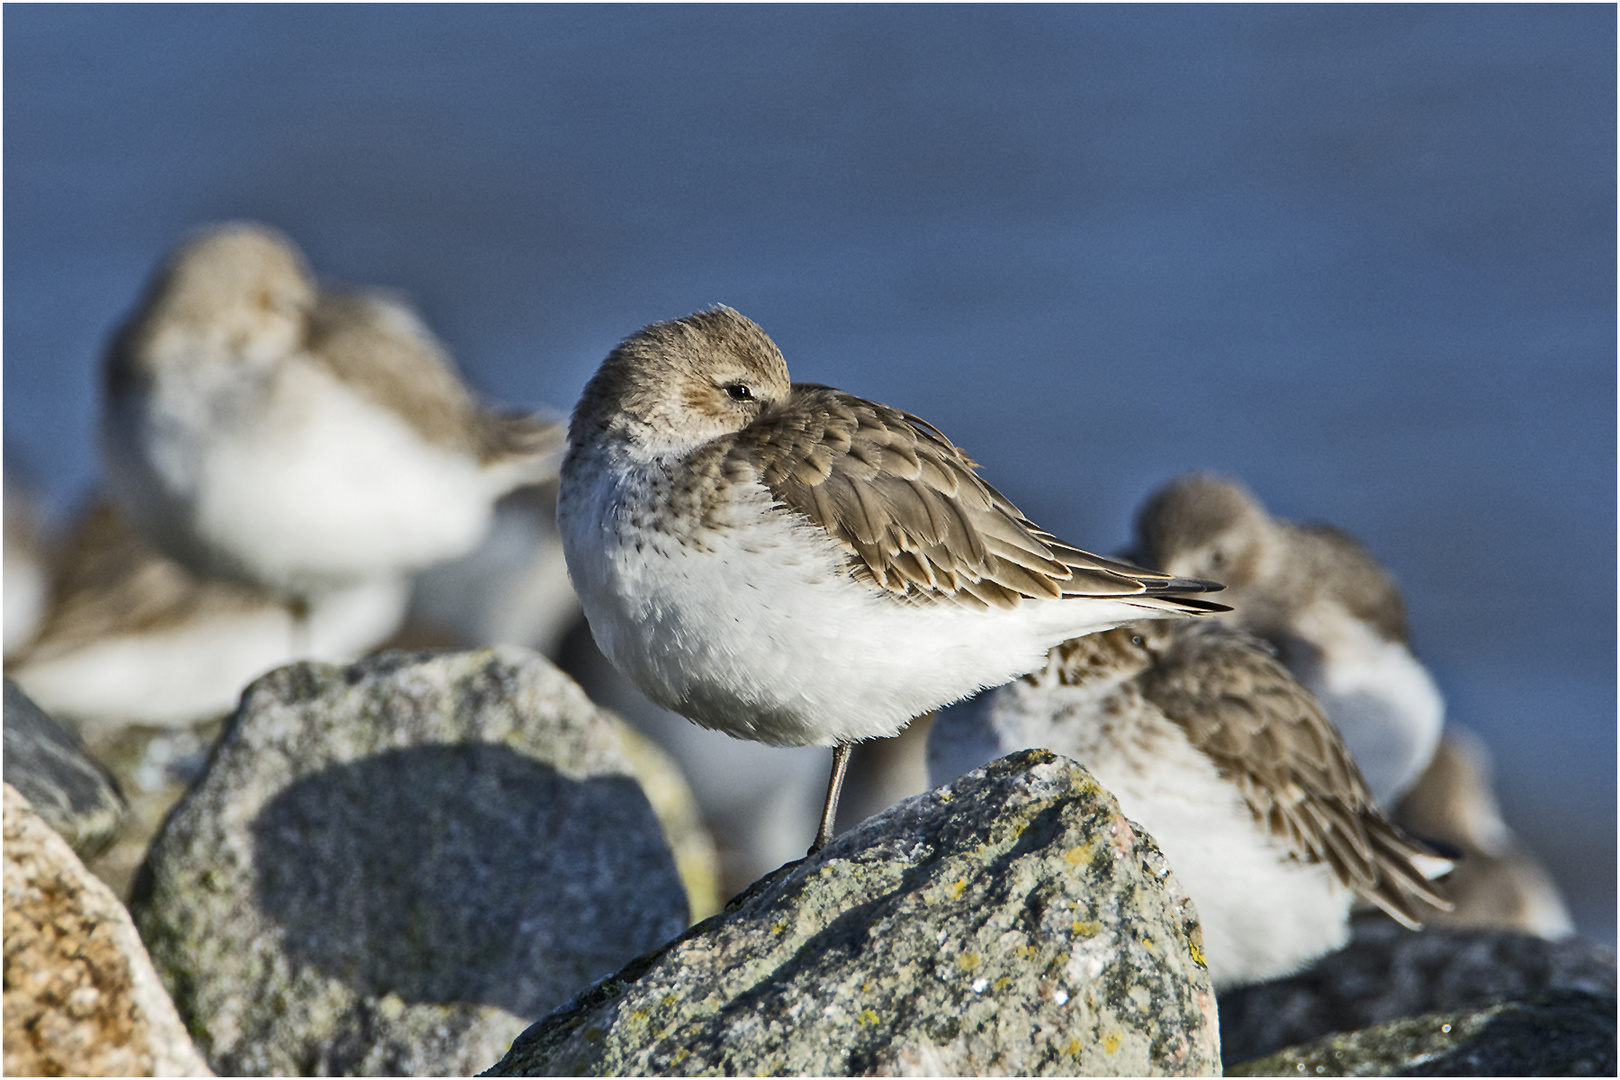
1012	923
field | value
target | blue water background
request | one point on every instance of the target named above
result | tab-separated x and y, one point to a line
1361	257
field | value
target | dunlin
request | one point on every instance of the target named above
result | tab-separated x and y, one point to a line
1335	615
789	563
1499	884
133	637
264	430
1230	765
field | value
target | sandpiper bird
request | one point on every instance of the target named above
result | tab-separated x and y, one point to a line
1230	765
789	563
1499	883
262	430
1334	614
133	637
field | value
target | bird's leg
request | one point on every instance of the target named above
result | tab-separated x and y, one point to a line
835	785
298	608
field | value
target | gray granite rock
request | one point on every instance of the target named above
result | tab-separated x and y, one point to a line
1387	973
394	867
75	795
1011	923
1557	1033
81	998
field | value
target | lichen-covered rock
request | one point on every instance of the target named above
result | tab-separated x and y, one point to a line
74	794
1558	1033
81	998
154	768
394	867
1011	923
1388	973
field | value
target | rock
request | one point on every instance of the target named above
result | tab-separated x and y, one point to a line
1559	1033
1011	923
394	867
696	858
81	998
154	768
1387	973
75	795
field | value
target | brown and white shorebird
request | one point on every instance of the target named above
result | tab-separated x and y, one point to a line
1334	614
1230	765
133	637
1499	883
789	563
264	430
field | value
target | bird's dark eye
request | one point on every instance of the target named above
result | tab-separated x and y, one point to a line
1136	639
740	392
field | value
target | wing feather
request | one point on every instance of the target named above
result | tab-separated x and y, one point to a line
1242	708
915	517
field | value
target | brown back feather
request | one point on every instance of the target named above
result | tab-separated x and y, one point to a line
916	517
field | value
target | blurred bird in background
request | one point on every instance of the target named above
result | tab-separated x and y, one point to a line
261	429
1338	621
1230	765
1335	616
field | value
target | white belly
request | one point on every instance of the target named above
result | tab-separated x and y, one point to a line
757	630
300	488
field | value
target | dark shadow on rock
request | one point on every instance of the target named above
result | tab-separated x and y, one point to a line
1387	973
465	873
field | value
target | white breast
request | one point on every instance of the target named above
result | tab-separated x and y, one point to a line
297	482
1382	700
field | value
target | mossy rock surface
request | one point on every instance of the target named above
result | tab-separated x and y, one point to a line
1011	923
394	867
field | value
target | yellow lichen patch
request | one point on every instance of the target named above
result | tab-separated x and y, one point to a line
779	927
1111	1042
1004	982
956	890
968	961
1087	927
1027	952
1196	953
1079	856
870	1018
946	796
1073	1049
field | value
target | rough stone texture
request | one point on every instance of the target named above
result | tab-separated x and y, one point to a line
394	867
1387	973
75	795
154	767
81	998
1559	1033
1011	923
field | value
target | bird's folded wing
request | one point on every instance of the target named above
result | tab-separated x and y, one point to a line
1268	733
914	515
